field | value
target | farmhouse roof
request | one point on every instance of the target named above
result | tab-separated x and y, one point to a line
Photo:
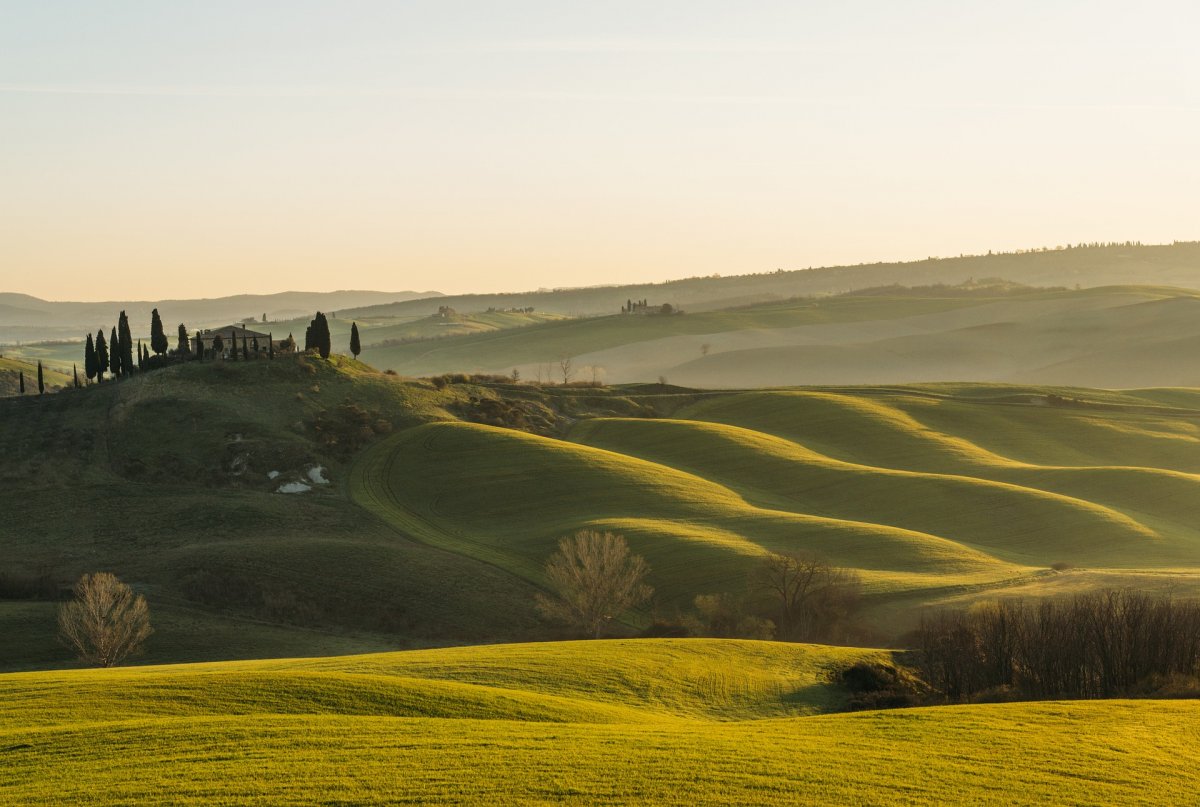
230	330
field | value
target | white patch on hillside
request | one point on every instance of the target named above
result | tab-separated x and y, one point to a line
294	487
316	475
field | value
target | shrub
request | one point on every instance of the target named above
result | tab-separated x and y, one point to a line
873	685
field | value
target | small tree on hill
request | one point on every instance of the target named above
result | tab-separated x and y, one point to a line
141	356
114	354
270	346
89	359
75	374
101	355
811	597
182	346
41	380
126	341
245	347
595	580
158	337
106	622
355	344
321	338
21	381
218	345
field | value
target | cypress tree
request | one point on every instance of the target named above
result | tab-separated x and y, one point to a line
218	346
199	347
114	354
21	381
75	372
141	357
245	348
89	359
308	338
321	335
126	343
254	344
41	380
355	345
101	356
158	338
271	346
233	346
184	341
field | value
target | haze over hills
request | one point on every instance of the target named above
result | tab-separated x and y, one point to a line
1086	266
1112	337
27	318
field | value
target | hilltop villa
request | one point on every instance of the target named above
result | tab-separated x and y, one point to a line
239	332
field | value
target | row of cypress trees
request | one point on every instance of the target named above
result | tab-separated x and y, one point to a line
116	354
119	355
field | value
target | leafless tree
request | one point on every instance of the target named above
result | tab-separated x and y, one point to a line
595	580
566	368
1096	645
106	622
704	348
811	597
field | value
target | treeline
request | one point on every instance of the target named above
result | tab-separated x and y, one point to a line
1102	645
118	356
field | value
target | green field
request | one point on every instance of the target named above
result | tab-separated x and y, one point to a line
618	722
434	526
929	492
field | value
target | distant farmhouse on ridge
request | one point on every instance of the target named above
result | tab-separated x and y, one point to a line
241	336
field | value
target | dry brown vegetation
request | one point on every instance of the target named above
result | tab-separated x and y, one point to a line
106	622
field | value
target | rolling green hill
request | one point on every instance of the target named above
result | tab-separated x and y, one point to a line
421	515
664	721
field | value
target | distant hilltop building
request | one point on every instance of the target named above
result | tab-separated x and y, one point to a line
645	309
255	341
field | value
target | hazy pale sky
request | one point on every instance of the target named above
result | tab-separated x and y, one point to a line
188	149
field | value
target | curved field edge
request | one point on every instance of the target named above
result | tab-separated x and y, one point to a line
505	496
627	681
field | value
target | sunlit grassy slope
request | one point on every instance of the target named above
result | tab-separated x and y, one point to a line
11	368
926	491
659	721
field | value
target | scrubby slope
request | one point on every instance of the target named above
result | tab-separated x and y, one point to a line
171	479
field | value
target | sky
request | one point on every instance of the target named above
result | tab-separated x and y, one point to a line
196	149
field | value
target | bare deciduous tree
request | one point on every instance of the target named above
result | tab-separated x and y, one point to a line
566	368
106	622
811	597
596	580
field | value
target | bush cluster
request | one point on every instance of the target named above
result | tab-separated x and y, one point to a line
1102	645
